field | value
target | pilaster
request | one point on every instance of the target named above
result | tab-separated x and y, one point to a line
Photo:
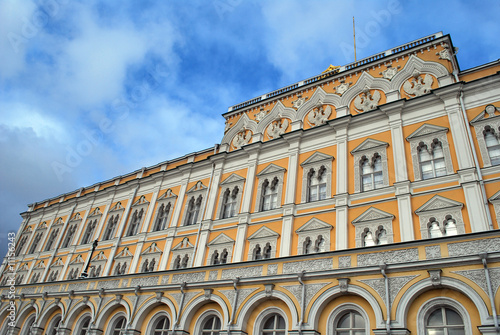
241	237
180	201
202	243
151	208
166	251
403	197
474	200
341	219
246	201
287	231
394	112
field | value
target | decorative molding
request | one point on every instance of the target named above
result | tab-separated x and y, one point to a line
366	100
371	221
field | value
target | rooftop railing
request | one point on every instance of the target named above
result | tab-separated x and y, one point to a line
340	69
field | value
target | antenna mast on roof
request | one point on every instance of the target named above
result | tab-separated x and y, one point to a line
354	35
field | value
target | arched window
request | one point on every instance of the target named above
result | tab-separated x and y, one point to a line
434	229
274	324
20	245
257	252
371	173
161	326
307	246
89	232
450	226
145	266
444	320
368	239
350	323
135	222
229	201
211	326
27	325
492	144
185	261
53	326
381	235
110	228
161	217
83	326
193	210
269	194
432	162
177	262
118	326
215	258
319	244
51	240
69	236
223	256
267	251
316	184
36	240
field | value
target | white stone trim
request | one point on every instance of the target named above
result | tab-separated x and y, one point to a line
259	321
371	220
230	183
221	242
261	237
313	229
269	173
426	134
368	149
315	161
434	303
439	207
340	310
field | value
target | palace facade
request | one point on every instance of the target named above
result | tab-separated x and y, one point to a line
364	200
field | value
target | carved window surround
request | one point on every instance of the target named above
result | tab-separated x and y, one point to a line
368	149
313	229
437	209
490	116
370	221
426	135
271	172
315	162
230	183
261	237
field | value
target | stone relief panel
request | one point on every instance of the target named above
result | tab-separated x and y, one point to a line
395	285
242	137
395	256
433	252
188	277
242	294
277	128
367	100
473	247
418	85
344	261
254	271
309	265
319	115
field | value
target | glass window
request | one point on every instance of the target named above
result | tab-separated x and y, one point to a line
85	326
52	239
493	145
37	239
161	217
316	182
229	201
444	321
27	325
270	194
211	326
371	173
110	229
134	223
193	210
350	323
162	326
119	325
432	162
274	324
89	231
69	236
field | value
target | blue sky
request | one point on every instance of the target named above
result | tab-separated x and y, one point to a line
90	90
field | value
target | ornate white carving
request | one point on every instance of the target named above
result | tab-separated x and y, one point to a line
369	148
418	85
486	118
444	54
319	115
314	229
390	72
261	237
261	114
299	101
435	212
277	128
243	137
227	126
370	222
366	101
342	87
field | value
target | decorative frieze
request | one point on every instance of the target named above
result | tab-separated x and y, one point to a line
192	277
395	256
243	272
473	247
344	261
309	265
433	252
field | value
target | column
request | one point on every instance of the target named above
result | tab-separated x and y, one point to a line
123	223
342	196
402	184
151	208
290	193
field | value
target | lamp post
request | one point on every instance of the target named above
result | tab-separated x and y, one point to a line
84	273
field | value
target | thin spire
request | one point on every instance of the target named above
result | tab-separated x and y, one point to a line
354	36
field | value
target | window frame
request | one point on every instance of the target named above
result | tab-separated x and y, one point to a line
113	323
315	162
439	207
490	116
204	317
261	237
340	311
432	304
265	314
371	220
219	243
230	183
154	321
368	149
80	322
426	135
269	173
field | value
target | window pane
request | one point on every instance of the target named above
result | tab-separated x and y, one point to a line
345	321
456	332
281	322
322	191
453	318
435	332
436	318
313	194
359	322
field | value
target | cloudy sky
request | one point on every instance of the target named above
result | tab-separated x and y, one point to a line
90	90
